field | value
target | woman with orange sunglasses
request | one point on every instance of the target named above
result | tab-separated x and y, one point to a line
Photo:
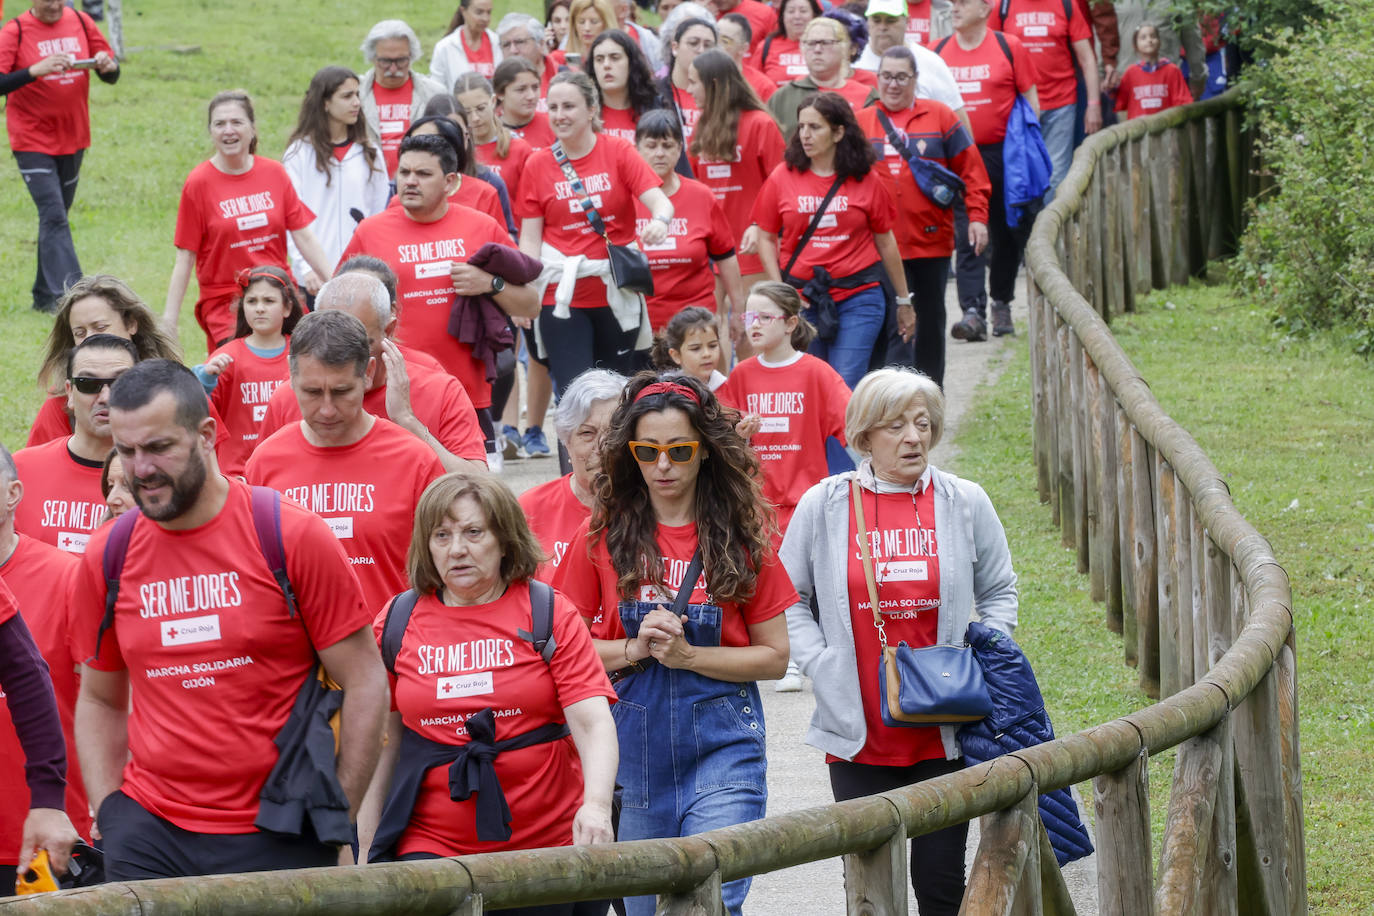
678	510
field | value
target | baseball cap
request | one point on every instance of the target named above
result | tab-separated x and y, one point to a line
886	8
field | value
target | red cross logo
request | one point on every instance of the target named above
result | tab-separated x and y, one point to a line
448	688
171	633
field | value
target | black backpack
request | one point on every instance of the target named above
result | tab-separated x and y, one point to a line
403	605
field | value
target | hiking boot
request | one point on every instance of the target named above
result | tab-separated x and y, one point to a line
971	327
511	445
535	444
1001	319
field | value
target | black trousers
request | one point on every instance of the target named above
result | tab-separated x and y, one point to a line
1002	258
51	181
937	859
586	339
926	279
139	844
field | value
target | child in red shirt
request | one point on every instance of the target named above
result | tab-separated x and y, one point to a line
241	376
1153	83
690	341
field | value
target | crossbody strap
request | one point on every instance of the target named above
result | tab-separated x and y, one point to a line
815	221
857	496
689	584
570	173
892	136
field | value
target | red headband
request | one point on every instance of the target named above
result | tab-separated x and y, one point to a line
668	388
245	277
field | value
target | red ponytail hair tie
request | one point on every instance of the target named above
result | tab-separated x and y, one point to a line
668	388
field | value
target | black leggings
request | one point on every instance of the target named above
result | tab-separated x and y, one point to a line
926	278
586	339
937	859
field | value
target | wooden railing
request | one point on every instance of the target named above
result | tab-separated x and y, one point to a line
1202	603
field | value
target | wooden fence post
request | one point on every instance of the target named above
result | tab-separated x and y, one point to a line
1064	418
1146	563
702	900
1078	529
1165	546
1125	867
1108	504
1181	564
875	882
1296	853
1005	877
1187	849
1125	502
1040	425
1094	471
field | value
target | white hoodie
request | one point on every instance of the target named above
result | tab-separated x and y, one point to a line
351	185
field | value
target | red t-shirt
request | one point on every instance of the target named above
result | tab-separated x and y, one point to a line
588	579
687	111
421	255
474	193
799	405
481	58
764	85
988	82
50	114
843	240
758	150
698	234
763	20
365	492
537	133
437	399
214	661
241	395
1048	37
554	514
918	21
924	229
393	118
40	578
784	62
510	167
456	661
62	502
619	122
231	222
906	565
1144	92
614	175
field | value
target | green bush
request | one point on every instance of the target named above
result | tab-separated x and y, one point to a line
1308	254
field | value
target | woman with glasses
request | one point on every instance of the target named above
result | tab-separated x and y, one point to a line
937	549
851	251
624	82
690	38
491	140
682	488
826	49
925	230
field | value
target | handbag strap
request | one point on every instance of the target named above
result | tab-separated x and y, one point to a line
689	584
857	498
588	208
811	227
893	137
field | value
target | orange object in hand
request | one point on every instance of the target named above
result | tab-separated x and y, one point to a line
38	879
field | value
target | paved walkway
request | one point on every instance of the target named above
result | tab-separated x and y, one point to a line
797	775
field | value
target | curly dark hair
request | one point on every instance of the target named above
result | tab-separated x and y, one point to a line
734	523
854	155
639	87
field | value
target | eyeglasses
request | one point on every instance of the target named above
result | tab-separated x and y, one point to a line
90	384
817	44
393	63
761	318
512	43
901	79
678	452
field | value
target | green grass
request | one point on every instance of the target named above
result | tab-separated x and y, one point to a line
1289	425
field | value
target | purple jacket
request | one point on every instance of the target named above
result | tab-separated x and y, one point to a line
477	320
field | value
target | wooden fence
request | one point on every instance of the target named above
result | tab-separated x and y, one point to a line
1203	606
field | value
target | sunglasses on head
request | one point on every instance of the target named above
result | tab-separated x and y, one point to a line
678	452
90	384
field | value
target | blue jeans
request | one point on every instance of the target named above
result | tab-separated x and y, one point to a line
691	749
1056	125
861	318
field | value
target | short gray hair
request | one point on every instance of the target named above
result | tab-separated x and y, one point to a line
884	395
516	20
347	288
586	391
680	14
390	28
334	338
9	471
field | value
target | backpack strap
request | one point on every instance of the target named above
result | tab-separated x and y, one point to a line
763	52
943	41
1006	49
394	628
112	567
541	620
267	525
1006	7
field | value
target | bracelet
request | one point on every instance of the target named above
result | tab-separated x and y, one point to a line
633	664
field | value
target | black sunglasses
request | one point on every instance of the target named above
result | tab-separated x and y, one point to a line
90	384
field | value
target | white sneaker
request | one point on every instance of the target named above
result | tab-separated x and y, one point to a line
791	682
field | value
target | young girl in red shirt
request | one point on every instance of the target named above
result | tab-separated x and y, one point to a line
691	342
1153	83
240	376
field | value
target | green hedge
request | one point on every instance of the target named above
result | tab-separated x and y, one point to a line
1308	254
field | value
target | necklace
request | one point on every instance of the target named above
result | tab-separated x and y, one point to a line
880	571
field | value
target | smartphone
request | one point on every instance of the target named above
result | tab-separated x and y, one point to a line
85	63
574	59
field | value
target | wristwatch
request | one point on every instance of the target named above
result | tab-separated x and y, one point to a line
497	284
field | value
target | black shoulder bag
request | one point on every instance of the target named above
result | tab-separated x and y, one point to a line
629	265
822	312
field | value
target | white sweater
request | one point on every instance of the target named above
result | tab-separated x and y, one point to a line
351	185
450	58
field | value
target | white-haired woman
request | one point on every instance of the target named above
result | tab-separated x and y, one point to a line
558	508
393	94
938	548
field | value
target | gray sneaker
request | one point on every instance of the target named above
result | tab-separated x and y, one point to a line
1001	319
971	328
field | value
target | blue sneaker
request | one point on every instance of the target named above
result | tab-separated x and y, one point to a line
535	444
510	444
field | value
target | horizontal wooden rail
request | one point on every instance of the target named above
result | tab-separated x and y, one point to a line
1202	604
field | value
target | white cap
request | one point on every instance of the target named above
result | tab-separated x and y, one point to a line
886	8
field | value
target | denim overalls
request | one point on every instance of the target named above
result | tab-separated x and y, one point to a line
692	752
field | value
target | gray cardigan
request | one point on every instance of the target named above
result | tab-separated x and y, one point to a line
424	89
975	568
